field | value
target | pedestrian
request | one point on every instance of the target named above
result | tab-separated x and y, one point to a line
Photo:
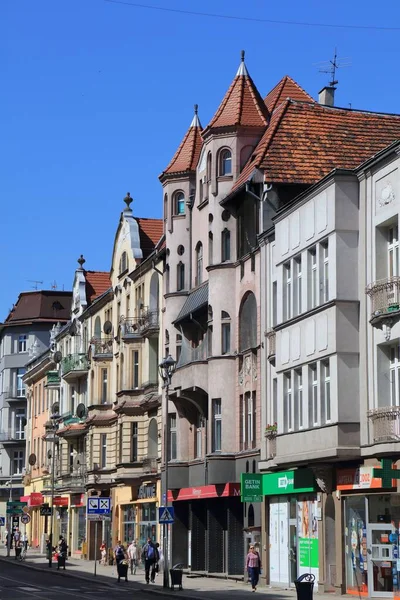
160	563
24	541
253	566
62	553
103	553
17	543
133	556
150	556
121	561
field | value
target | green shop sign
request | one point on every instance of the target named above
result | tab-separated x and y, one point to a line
288	482
251	486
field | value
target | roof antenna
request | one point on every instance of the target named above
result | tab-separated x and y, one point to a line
36	283
331	66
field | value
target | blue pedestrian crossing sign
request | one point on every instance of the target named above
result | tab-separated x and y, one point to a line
98	506
165	514
2	521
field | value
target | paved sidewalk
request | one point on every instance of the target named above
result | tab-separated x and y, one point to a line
200	588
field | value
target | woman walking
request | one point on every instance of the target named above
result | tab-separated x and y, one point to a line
253	567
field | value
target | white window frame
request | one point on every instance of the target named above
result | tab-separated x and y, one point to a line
19	417
22	342
394	374
173	437
18	462
297	288
287	402
104	386
393	251
103	450
21	389
313	283
313	397
217	425
324	271
287	290
326	408
298	400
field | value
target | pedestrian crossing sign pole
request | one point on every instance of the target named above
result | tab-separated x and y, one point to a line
165	515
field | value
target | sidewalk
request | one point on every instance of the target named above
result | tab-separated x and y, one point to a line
200	588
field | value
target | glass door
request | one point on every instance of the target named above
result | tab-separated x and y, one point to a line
381	539
292	551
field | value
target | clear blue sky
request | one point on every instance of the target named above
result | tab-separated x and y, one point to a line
96	96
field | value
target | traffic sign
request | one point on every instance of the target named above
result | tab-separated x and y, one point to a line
26	509
98	506
166	514
45	511
25	519
2	521
15	508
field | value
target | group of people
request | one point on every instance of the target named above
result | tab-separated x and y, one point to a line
18	540
60	551
151	555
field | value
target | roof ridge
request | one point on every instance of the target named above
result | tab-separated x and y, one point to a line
317	106
194	146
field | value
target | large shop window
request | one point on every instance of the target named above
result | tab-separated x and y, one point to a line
128	523
355	540
148	523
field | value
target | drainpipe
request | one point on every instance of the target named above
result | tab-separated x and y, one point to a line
190	204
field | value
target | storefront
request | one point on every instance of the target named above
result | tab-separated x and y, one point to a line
78	523
371	529
207	518
147	504
293	515
36	527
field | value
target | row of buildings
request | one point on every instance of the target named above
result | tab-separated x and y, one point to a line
273	281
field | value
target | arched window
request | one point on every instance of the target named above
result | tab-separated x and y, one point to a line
154	293
167	279
179	203
210	248
248	323
225	162
123	263
180	276
97	328
199	263
225	333
209	167
225	245
165	207
152	440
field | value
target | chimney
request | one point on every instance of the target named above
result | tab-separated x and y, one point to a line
327	95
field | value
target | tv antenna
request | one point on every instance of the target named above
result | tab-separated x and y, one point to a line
54	285
35	282
331	66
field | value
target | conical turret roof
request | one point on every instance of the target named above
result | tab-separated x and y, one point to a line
186	157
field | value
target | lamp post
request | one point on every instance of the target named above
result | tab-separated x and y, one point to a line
10	515
54	417
166	368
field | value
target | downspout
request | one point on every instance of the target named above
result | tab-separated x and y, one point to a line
190	204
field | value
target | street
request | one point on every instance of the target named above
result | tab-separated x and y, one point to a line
18	582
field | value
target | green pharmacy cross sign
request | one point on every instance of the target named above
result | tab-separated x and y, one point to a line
386	473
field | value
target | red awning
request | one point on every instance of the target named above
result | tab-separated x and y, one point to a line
205	491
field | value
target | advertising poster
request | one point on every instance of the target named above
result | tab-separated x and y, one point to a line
279	548
307	528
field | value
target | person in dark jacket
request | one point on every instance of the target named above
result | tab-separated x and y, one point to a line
150	556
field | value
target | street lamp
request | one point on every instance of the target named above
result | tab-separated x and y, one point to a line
52	428
166	368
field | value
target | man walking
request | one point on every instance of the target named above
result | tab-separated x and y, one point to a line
133	556
150	556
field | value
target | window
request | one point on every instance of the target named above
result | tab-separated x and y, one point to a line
210	248
123	263
248	420
180	276
179	203
274	416
199	437
217	425
199	263
18	462
225	333
248	323
22	343
104	386
225	164
325	393
134	441
225	245
103	450
313	396
393	251
128	306
297	286
120	441
325	272
136	378
313	278
43	398
287	402
72	400
394	368
287	291
178	347
209	168
20	384
20	422
298	400
172	437
167	284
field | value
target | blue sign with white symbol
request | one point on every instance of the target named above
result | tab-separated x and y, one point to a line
165	514
2	521
98	506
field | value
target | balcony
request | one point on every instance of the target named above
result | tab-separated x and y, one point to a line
191	354
9	437
53	379
146	324
72	479
150	464
385	303
74	366
15	394
102	348
271	349
385	424
271	445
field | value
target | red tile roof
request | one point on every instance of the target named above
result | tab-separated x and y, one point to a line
286	88
43	305
241	106
97	282
150	231
186	157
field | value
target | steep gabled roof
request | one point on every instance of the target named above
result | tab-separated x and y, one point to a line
286	88
186	157
242	104
150	232
97	282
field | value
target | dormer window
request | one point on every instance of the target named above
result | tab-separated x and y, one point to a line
123	263
225	162
179	203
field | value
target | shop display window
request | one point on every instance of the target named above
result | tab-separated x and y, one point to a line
355	546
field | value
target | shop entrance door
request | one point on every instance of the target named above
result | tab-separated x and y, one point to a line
292	551
381	537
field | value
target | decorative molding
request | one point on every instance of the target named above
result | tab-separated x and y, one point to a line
387	195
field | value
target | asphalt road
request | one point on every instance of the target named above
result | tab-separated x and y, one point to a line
18	582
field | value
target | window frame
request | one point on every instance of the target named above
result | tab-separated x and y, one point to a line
224	159
217	425
225	245
104	386
134	450
199	264
173	437
393	251
103	451
180	276
179	203
22	342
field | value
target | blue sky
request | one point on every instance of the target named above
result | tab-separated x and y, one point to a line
96	96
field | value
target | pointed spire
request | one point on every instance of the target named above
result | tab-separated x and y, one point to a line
242	104
186	157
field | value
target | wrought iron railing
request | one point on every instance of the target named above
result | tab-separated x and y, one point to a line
12	436
136	326
191	353
74	362
15	393
385	295
385	423
102	347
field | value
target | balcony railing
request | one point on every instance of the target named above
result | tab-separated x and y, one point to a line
102	347
15	393
74	363
12	436
271	337
190	353
133	327
271	446
385	424
53	378
385	296
150	464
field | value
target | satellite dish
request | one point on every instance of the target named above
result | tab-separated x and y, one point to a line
55	409
107	327
81	411
32	459
57	357
78	461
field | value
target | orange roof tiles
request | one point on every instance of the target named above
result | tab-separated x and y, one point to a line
241	106
150	231
286	88
97	282
186	157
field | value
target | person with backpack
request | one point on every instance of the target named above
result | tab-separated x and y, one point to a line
150	556
121	562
